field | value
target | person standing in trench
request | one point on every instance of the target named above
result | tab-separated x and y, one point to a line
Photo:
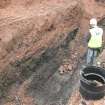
95	40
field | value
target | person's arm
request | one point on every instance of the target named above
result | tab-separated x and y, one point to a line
86	38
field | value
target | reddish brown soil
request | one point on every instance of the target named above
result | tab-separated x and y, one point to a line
19	28
29	27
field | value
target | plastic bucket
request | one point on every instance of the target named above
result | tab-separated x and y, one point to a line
92	83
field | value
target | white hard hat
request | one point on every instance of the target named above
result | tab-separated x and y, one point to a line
93	21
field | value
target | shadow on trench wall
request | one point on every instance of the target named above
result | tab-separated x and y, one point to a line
43	71
47	86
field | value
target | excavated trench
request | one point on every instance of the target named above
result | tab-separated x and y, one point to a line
31	63
46	85
37	77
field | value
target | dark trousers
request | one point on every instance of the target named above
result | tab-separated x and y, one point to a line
91	55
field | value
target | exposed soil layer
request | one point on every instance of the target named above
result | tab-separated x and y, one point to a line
102	1
36	37
32	51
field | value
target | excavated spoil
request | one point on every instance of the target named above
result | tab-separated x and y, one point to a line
45	84
4	3
35	38
33	50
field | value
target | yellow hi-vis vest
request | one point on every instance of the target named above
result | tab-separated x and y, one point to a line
96	38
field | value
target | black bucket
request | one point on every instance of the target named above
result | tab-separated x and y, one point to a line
92	83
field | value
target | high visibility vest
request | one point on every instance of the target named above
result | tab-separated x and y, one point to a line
96	38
